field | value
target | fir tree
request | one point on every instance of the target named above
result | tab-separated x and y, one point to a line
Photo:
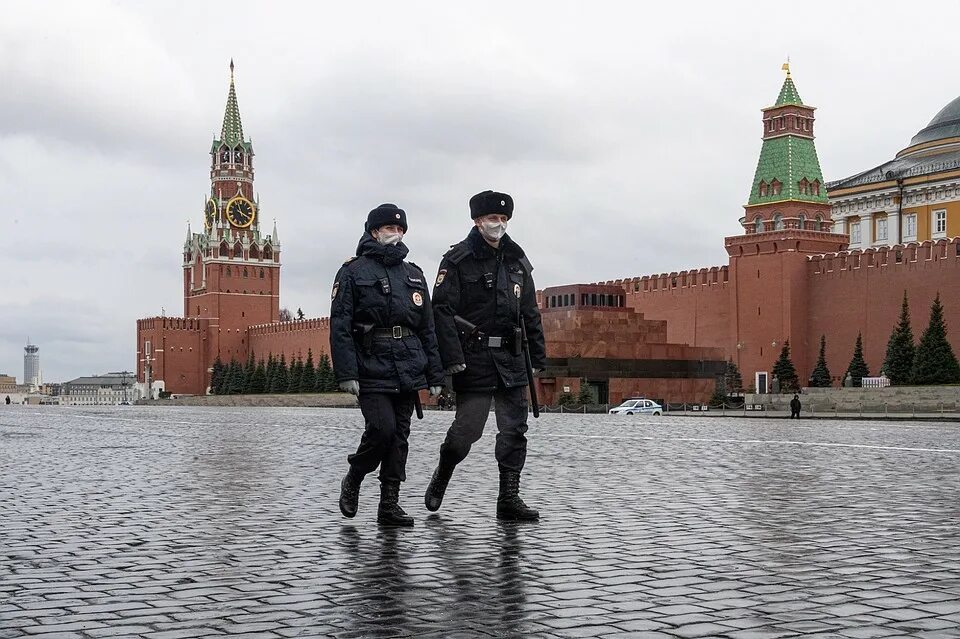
784	371
226	382
326	382
271	372
258	383
296	374
732	381
898	365
585	396
308	380
280	376
857	369
248	372
216	376
238	380
820	378
935	362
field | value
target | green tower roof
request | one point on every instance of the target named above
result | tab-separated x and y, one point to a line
789	160
232	132
788	93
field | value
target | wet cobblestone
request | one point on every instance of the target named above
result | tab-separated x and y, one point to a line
190	522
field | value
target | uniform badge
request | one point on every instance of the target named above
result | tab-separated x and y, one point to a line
516	290
442	274
336	287
417	298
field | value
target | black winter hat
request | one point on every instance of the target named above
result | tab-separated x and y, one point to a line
491	203
386	214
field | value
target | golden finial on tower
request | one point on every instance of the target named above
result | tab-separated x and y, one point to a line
786	66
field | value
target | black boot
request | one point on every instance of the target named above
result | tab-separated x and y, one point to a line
349	494
509	504
437	487
390	513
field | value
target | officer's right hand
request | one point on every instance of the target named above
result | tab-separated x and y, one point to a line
351	386
455	368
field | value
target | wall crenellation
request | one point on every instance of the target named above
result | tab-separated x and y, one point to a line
322	323
890	257
714	275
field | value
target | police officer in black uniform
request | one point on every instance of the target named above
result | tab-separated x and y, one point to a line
483	290
384	351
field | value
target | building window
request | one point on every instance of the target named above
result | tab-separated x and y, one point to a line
803	221
855	233
911	227
881	229
763	189
939	223
776	186
777	222
758	225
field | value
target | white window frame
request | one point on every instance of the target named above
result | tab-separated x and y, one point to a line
882	232
910	226
935	219
855	232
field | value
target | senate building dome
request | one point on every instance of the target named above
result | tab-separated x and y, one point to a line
945	124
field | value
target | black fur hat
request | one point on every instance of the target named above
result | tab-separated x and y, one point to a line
491	203
386	214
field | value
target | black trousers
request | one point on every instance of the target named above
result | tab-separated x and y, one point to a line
384	440
472	412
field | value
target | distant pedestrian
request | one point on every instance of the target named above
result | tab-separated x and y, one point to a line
384	351
795	407
8	399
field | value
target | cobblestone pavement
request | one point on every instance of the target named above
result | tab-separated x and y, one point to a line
188	522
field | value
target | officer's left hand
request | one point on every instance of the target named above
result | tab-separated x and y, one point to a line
536	370
435	390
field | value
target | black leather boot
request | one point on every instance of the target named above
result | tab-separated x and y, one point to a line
390	513
509	504
437	487
349	494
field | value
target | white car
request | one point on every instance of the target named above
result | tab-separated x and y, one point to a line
638	406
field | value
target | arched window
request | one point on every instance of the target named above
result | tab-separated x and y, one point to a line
261	274
254	252
777	222
803	221
758	225
238	250
267	252
224	249
245	274
803	186
815	187
228	272
763	189
819	220
775	186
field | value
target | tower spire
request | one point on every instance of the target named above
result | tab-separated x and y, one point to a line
232	131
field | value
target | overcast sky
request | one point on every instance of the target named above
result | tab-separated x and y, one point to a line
627	135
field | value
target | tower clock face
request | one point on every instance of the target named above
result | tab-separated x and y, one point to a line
240	212
210	214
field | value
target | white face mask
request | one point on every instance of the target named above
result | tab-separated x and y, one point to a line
385	238
493	231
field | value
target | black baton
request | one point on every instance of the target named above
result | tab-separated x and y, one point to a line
417	405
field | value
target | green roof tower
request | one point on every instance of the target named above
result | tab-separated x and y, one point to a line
788	188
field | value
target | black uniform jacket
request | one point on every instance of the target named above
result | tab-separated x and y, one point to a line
377	289
490	288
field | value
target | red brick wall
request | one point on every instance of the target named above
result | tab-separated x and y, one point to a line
291	338
178	352
670	390
862	291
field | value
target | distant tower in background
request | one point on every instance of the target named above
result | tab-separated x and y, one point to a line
31	364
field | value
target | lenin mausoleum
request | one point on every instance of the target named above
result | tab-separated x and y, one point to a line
812	258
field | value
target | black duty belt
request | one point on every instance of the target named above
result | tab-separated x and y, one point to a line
394	332
491	341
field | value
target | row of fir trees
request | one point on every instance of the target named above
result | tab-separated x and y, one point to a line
931	361
273	376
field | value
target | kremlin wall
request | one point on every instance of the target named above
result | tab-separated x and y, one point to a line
807	264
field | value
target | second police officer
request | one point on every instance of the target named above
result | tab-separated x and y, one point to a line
483	292
384	350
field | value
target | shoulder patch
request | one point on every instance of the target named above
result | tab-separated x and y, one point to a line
458	252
